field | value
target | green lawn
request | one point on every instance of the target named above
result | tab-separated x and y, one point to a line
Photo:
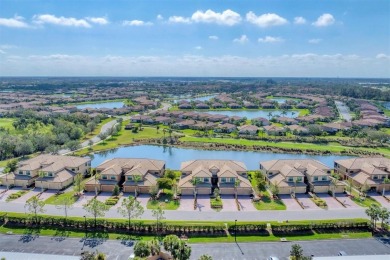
267	203
7	123
332	147
53	199
98	128
165	202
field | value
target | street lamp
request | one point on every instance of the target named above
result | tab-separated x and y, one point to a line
235	230
85	226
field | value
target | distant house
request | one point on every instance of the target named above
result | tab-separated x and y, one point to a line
163	120
250	105
185	124
286	120
274	130
267	105
234	106
202	106
217	105
297	129
225	128
260	121
248	130
185	106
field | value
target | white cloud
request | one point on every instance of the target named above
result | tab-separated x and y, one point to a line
270	39
98	20
136	23
179	19
15	22
2	52
243	39
314	41
213	37
265	20
383	56
227	17
198	48
299	20
324	20
63	21
160	17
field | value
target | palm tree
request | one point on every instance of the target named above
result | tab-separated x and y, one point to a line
195	182
334	181
164	131
157	128
385	181
236	184
96	177
136	179
384	214
373	213
41	175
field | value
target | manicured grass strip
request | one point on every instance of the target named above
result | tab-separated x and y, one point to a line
266	203
330	147
170	204
16	195
55	198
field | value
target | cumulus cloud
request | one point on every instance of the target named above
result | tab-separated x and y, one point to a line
270	39
179	19
383	56
299	20
62	21
160	17
15	22
324	20
314	41
136	23
265	20
98	20
198	48
243	39
227	17
213	37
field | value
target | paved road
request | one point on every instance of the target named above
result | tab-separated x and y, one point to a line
266	215
343	111
107	126
121	249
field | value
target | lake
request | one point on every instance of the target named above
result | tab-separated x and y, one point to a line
174	156
249	114
97	105
279	100
386	105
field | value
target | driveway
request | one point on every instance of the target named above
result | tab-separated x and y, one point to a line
380	198
103	196
143	198
186	203
245	203
203	203
306	201
4	195
290	203
330	201
229	203
87	196
28	196
347	201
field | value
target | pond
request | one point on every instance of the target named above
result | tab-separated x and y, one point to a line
386	105
174	156
249	114
279	100
97	105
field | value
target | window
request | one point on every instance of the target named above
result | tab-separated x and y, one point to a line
112	178
315	178
299	179
383	177
232	179
129	178
324	178
375	177
206	180
21	172
327	171
50	174
28	173
290	179
73	169
223	179
350	171
104	177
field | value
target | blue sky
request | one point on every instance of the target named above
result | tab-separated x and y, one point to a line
309	38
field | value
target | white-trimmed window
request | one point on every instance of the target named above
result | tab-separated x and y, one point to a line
129	178
21	172
223	179
232	179
324	178
112	178
315	178
290	179
104	177
299	179
206	180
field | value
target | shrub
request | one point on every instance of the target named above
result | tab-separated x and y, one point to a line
112	201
